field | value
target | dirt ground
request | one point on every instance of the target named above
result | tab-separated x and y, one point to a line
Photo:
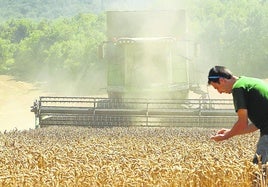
17	97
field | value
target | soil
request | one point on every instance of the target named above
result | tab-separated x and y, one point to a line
16	98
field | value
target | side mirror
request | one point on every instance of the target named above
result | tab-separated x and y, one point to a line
101	51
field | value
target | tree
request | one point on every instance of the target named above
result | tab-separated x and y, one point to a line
233	33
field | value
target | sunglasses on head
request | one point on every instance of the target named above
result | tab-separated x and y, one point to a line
214	77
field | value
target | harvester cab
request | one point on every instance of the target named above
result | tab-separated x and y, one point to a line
148	55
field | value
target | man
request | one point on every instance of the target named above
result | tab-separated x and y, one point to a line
250	97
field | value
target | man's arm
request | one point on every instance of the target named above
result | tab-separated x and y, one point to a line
240	127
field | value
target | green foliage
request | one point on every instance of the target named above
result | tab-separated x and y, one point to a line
56	49
46	9
234	33
6	55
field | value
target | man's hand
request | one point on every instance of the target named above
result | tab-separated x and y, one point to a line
220	135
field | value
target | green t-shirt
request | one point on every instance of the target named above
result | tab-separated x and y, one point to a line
252	94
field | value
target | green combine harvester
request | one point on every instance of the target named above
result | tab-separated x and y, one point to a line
150	72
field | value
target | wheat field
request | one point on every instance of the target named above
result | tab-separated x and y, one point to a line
126	156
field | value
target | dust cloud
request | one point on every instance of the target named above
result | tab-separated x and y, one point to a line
167	22
16	98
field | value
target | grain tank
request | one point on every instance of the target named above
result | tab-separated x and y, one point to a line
148	54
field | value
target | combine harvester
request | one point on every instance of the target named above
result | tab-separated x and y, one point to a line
150	72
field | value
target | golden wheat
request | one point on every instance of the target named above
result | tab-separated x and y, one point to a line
73	156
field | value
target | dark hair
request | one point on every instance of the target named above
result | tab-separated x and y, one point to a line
218	72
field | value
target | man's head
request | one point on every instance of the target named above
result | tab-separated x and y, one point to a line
221	79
